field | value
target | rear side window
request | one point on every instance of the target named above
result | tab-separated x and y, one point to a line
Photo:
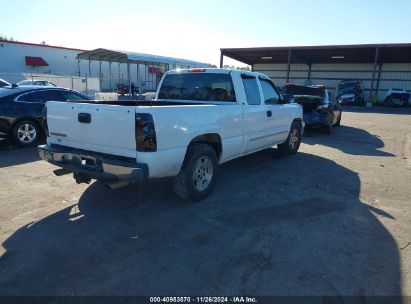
35	97
269	93
198	86
42	96
252	92
71	96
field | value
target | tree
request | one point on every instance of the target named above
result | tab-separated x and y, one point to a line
231	67
4	37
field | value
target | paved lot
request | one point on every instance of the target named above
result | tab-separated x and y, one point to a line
333	219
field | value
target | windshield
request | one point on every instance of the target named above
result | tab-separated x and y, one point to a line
347	88
198	86
3	83
302	90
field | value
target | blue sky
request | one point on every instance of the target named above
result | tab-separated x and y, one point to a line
198	29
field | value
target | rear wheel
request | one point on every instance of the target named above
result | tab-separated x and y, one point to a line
338	123
291	145
26	133
198	173
328	128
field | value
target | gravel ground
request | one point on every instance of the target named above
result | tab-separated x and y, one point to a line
332	220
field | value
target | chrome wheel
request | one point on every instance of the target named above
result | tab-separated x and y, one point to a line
26	133
202	173
294	138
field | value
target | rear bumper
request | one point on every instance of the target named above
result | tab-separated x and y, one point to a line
107	168
315	118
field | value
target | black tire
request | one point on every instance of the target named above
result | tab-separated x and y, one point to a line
403	104
338	123
26	133
328	128
185	184
290	147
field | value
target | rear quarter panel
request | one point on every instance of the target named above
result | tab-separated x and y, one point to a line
177	126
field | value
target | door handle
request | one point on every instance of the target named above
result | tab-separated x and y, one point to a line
269	113
84	117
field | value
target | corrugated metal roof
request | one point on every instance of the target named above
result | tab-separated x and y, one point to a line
123	57
360	53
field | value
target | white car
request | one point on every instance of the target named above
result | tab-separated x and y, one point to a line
45	83
200	118
397	97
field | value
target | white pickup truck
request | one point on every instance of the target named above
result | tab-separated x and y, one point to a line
199	119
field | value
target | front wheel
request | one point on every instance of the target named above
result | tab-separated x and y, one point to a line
291	145
198	173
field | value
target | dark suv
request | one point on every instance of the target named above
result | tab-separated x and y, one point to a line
350	92
21	110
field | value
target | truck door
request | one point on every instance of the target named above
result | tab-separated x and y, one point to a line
279	124
256	117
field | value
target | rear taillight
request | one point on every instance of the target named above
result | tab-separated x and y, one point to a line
324	108
44	121
145	133
197	70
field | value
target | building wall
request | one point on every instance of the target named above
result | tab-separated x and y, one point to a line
63	62
329	75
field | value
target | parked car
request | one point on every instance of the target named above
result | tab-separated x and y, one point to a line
199	119
4	83
37	83
21	110
350	92
319	106
397	98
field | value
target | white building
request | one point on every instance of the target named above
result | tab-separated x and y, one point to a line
61	65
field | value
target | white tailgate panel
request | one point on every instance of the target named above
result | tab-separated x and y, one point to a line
112	127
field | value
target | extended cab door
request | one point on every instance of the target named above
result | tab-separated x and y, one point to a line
279	122
256	118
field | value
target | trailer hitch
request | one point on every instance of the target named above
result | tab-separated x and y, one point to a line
81	178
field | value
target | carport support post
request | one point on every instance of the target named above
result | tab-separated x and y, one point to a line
99	75
138	78
89	67
129	78
309	74
109	70
288	65
221	60
379	78
78	65
369	103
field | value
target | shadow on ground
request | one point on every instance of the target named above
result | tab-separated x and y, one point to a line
272	226
347	139
11	155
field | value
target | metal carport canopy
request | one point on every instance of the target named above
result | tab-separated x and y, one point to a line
131	57
360	53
